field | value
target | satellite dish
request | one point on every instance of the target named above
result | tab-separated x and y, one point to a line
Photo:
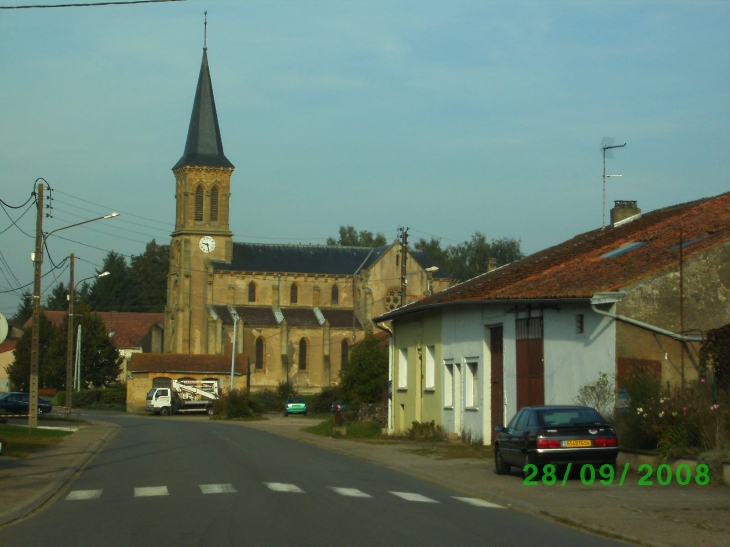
3	327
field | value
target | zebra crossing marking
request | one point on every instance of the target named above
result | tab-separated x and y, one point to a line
149	491
283	487
83	495
478	503
217	488
350	492
409	496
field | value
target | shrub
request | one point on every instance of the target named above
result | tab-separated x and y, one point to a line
426	431
285	389
233	404
322	401
598	394
266	400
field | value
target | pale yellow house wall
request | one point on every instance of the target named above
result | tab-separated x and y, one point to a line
416	402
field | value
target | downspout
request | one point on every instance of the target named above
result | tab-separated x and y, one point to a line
390	376
614	297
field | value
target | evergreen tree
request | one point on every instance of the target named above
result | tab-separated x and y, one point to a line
25	309
112	292
58	300
101	363
19	369
148	273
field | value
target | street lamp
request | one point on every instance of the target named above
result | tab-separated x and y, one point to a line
40	239
70	343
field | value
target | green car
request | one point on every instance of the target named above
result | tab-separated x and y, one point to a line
295	405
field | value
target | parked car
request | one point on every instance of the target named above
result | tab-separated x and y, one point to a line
339	406
554	434
15	402
295	405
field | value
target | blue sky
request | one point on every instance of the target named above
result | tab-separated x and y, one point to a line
444	116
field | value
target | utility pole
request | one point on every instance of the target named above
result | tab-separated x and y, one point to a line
37	263
70	339
403	257
607	144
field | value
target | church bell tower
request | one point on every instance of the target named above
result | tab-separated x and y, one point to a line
202	232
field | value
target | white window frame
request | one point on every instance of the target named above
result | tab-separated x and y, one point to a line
403	368
449	384
430	368
471	387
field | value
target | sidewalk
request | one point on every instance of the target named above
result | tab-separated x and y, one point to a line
666	516
27	483
652	516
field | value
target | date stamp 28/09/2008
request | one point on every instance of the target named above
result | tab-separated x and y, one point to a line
607	474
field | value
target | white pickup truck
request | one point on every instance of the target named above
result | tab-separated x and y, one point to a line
183	396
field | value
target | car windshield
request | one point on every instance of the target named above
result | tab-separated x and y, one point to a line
570	416
291	400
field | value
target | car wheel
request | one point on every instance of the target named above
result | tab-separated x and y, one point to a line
165	411
209	411
528	461
286	414
305	413
502	467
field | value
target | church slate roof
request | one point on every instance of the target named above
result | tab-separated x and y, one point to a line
262	316
309	259
340	319
204	147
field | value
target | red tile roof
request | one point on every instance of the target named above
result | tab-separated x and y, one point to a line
576	268
130	329
184	363
8	345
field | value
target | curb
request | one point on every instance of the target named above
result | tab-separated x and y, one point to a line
56	484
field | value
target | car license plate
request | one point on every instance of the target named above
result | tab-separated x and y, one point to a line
578	443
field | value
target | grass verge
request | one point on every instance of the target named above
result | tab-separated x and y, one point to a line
20	442
368	430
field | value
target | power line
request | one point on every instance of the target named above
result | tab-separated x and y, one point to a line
86	5
107	208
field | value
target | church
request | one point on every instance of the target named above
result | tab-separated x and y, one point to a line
294	310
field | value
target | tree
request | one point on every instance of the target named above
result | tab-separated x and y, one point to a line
715	355
101	363
349	237
365	378
58	300
19	369
112	292
471	258
148	273
25	309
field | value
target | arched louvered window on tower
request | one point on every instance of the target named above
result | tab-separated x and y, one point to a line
259	353
335	295
214	204
199	204
294	296
252	292
302	354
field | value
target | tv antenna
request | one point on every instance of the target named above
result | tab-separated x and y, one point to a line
607	147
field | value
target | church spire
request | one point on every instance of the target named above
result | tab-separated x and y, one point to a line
204	147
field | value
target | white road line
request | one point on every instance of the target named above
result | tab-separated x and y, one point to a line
479	503
83	495
283	487
413	497
351	492
147	491
217	488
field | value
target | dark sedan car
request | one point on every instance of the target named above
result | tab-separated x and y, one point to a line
17	403
555	434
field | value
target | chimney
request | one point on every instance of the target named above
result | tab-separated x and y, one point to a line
491	264
623	210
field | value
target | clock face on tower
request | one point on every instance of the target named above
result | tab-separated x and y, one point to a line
207	244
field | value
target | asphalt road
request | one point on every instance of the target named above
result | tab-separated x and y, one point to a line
186	481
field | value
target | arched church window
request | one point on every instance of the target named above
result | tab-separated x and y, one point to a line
214	204
252	292
302	354
294	296
259	353
199	203
344	353
335	295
